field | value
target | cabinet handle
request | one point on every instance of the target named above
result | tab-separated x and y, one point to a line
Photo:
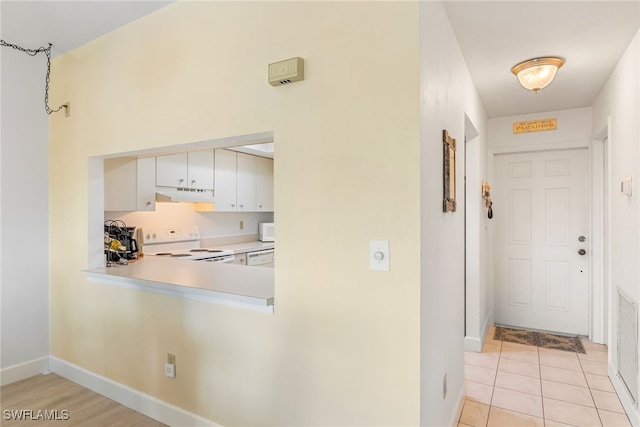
242	206
233	205
181	180
193	181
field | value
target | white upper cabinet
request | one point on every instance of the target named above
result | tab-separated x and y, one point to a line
225	181
145	184
200	169
120	193
243	182
246	183
171	170
264	184
186	170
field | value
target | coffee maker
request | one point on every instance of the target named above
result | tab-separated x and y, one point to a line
119	241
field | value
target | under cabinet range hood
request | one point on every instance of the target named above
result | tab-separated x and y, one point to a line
183	195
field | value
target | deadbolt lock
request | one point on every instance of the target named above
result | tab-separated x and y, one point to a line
582	239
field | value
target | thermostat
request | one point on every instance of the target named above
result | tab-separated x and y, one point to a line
287	71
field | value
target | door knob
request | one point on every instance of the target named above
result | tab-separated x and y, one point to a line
582	252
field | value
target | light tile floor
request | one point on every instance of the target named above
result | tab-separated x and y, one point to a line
513	385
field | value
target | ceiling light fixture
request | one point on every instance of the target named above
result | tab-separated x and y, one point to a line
535	74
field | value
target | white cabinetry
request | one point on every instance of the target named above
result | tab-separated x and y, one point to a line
129	184
243	182
186	170
246	183
240	259
264	184
225	181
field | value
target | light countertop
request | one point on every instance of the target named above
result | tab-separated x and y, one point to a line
240	248
249	287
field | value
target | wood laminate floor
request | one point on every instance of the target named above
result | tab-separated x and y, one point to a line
50	400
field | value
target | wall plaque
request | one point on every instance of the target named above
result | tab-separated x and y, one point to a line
535	126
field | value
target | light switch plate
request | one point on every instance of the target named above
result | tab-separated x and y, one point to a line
625	186
379	255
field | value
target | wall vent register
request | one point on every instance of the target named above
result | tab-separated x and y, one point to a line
628	344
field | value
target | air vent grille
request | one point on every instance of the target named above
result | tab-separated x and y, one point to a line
628	343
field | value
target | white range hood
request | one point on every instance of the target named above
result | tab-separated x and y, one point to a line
183	195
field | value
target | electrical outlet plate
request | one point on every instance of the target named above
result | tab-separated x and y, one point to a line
379	255
170	366
170	370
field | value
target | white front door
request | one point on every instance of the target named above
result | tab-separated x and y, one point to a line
540	213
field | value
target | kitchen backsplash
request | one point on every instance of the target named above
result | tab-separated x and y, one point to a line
211	224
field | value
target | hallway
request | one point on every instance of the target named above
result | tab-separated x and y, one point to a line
512	385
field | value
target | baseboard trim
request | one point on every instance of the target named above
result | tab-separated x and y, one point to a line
12	374
485	329
462	397
623	395
127	396
472	344
476	343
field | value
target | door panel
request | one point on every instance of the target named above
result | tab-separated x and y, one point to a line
540	204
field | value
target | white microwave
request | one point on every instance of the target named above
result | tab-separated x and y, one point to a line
265	232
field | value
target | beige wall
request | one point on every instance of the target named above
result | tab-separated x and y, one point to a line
615	115
343	346
447	96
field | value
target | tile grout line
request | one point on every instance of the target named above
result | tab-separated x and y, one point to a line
544	419
539	361
493	388
590	390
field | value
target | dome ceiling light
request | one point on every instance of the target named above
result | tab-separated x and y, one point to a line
535	74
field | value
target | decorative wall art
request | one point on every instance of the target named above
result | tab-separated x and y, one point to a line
449	172
486	196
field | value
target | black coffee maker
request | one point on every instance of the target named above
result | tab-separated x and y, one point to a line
119	241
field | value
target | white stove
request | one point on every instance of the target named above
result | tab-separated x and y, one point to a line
179	242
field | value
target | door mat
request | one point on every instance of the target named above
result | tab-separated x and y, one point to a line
539	339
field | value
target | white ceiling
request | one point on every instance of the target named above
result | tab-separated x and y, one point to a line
493	36
67	24
496	35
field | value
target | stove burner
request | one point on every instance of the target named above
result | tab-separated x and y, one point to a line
214	250
199	250
179	255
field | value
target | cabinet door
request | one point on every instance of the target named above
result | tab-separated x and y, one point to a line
264	184
246	185
200	169
171	170
130	184
146	184
119	191
225	181
240	259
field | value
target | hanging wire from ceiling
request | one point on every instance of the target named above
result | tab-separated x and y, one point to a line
34	52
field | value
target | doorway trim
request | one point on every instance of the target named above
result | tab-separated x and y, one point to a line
478	311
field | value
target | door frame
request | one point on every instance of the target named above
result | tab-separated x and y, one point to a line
595	199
